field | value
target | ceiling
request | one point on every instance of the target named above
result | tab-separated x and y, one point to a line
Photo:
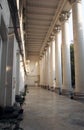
41	17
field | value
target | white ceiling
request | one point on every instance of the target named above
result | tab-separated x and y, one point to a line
41	17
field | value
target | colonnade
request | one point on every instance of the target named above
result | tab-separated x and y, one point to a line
62	52
55	66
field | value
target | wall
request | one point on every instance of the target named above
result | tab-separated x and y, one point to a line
33	71
21	76
5	11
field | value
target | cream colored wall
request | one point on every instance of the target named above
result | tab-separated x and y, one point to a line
33	71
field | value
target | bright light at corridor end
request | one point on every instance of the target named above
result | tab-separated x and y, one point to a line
36	63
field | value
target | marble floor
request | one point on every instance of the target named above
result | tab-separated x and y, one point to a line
46	110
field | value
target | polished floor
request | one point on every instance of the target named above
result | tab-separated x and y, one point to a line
46	110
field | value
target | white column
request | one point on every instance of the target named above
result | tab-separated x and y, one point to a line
46	68
45	71
66	52
42	71
43	75
48	50
78	34
58	41
51	66
53	62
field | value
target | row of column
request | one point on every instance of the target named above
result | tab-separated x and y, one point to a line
62	53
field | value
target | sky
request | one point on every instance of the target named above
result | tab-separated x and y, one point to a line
71	25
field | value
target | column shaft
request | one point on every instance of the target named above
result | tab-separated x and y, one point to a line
58	59
48	66
78	46
46	70
66	53
42	71
51	65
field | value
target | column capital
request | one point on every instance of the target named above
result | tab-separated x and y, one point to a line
57	28
41	57
74	1
47	45
52	36
64	16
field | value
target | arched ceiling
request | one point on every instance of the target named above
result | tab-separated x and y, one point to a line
41	17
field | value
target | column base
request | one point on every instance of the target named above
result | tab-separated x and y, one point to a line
58	90
78	95
47	86
44	86
68	93
52	89
39	85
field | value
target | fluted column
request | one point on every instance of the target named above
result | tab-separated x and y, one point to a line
78	34
51	66
48	66
45	66
40	63
58	41
43	70
53	62
66	52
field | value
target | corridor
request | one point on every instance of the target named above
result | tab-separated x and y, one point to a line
46	110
